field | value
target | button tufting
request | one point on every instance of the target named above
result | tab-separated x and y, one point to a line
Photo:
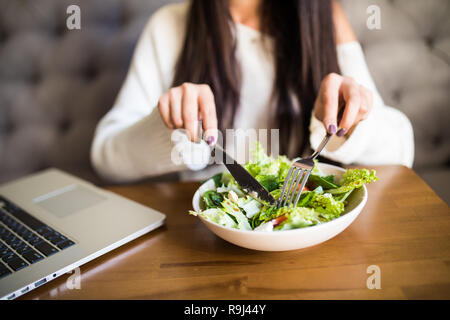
65	125
35	78
397	95
437	140
8	127
61	30
429	41
91	72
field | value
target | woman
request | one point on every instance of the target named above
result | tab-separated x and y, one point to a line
248	64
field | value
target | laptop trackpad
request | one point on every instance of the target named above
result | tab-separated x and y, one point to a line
68	200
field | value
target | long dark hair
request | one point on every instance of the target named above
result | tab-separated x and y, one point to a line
304	53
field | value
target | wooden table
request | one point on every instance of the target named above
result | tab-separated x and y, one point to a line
404	230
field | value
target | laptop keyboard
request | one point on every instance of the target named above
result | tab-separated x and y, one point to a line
25	240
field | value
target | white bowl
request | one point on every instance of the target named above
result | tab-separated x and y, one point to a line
289	239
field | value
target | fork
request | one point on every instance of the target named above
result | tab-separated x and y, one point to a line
300	171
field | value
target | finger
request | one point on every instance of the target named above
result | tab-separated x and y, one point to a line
352	99
330	101
189	110
207	108
175	96
164	110
366	103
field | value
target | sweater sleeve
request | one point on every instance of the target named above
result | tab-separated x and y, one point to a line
385	137
131	141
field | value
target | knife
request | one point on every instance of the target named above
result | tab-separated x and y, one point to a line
247	182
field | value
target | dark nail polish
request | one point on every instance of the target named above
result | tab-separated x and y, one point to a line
341	132
332	129
210	140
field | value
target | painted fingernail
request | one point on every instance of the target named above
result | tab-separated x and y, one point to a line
332	129
341	132
210	140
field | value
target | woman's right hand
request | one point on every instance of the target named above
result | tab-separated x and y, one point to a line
185	105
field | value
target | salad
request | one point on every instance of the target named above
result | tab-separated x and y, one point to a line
323	198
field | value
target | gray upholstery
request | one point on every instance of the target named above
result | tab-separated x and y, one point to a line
55	83
409	59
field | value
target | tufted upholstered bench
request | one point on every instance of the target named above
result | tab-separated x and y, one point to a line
55	83
409	58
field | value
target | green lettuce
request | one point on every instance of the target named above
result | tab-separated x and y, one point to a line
299	217
270	182
212	199
353	179
217	216
268	171
326	205
249	206
233	210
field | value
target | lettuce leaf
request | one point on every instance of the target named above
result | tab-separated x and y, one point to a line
216	215
233	210
353	179
264	165
307	196
326	205
299	217
326	182
250	206
212	199
217	179
267	213
270	182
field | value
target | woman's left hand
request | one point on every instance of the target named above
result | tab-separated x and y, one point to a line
335	91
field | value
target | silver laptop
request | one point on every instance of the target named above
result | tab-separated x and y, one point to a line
52	222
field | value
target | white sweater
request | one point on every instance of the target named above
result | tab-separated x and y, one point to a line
131	141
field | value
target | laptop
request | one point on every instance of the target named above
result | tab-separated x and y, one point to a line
52	222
